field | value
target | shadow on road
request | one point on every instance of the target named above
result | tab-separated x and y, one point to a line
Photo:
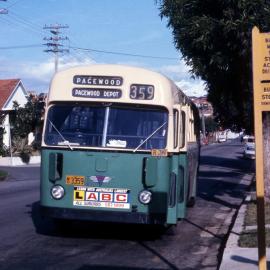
214	191
220	178
100	267
141	234
94	230
238	163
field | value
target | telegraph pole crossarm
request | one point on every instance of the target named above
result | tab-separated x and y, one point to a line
53	44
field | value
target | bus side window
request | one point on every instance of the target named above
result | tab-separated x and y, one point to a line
175	126
183	130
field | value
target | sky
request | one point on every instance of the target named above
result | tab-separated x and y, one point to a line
98	32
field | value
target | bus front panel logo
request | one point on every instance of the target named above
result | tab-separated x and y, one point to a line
100	179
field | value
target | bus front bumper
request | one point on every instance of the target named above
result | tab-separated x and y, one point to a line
103	216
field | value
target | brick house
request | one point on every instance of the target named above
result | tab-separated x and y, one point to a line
10	90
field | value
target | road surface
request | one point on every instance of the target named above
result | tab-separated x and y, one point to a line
28	241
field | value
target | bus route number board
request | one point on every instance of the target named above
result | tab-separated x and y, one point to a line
142	91
101	197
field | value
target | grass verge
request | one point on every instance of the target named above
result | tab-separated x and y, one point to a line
248	237
251	214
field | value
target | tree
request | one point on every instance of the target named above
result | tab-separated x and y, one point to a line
214	37
25	120
210	124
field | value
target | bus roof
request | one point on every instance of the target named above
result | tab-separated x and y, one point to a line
112	83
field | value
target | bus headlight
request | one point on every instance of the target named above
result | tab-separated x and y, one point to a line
57	192
145	196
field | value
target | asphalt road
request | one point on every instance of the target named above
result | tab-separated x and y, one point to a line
27	241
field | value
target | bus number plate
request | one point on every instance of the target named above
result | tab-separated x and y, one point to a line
159	152
101	197
75	180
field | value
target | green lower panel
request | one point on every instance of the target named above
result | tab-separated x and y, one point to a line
105	181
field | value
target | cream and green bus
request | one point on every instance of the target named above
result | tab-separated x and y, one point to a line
120	144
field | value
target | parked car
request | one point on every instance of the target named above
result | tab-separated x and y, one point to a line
245	138
222	136
249	147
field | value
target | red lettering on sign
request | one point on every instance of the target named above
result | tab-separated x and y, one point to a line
106	197
120	197
92	196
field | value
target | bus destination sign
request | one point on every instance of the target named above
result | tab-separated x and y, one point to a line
97	93
98	80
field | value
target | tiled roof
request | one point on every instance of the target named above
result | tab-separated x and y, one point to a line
6	89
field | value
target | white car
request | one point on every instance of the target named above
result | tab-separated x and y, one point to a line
222	136
249	148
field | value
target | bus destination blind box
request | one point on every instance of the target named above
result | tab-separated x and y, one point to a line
97	93
98	80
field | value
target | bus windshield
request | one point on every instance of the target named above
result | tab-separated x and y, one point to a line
113	126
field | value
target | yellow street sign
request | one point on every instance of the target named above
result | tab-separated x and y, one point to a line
261	93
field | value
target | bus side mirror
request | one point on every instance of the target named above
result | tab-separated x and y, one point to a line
150	176
55	166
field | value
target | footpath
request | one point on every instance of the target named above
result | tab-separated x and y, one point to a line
17	161
238	258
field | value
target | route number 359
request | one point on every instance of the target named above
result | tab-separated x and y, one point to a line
141	91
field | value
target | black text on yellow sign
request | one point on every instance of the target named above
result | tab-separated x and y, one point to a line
79	195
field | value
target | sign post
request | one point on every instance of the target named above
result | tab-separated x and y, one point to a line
261	92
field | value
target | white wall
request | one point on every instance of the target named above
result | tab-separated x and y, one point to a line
6	136
19	96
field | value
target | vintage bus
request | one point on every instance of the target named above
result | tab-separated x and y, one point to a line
120	144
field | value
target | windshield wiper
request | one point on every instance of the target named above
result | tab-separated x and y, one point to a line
65	142
150	136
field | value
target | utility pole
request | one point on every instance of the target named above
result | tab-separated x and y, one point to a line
54	44
202	117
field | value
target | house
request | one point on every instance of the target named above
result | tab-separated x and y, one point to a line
10	90
204	106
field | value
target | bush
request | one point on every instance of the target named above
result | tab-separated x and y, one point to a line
3	175
25	156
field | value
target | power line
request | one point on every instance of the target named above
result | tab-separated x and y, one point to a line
76	48
81	56
124	54
29	24
25	25
21	47
7	22
36	29
14	19
13	3
81	53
